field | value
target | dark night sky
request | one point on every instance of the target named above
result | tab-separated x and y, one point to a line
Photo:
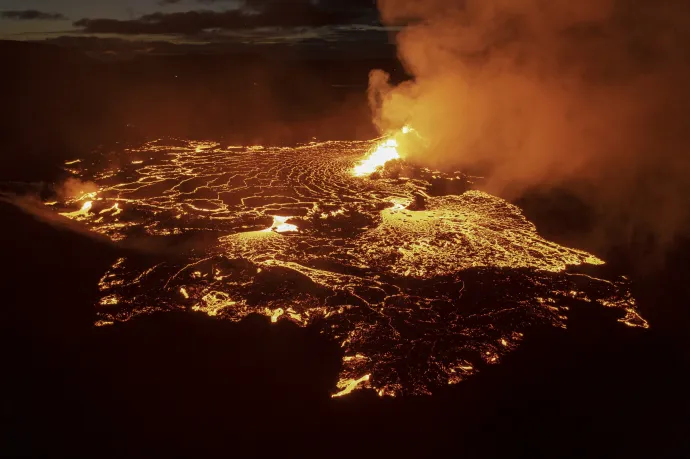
195	24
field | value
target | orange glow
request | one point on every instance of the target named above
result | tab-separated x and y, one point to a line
81	213
275	315
279	225
103	323
348	385
213	303
89	195
115	209
386	150
110	300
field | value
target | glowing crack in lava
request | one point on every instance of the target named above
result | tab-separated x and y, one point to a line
417	297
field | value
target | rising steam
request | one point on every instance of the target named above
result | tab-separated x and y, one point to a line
590	95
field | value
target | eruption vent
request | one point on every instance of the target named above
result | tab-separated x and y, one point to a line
390	147
386	151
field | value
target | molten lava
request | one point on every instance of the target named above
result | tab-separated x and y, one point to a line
385	150
347	386
417	298
83	212
280	225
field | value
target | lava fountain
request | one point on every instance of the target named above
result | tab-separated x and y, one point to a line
384	151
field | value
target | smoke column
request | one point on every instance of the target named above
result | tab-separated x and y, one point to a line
591	95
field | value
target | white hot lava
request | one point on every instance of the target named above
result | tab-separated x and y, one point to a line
385	151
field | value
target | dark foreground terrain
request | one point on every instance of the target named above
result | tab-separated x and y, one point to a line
186	384
179	384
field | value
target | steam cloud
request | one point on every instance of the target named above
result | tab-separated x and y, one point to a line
590	95
73	188
33	206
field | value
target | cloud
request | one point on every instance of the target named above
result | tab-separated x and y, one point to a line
252	14
363	41
191	22
31	15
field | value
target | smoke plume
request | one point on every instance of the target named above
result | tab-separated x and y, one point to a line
74	188
591	95
32	205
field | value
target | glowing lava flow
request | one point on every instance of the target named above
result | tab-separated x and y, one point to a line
280	225
350	385
81	213
416	297
386	151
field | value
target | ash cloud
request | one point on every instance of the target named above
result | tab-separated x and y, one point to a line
588	95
